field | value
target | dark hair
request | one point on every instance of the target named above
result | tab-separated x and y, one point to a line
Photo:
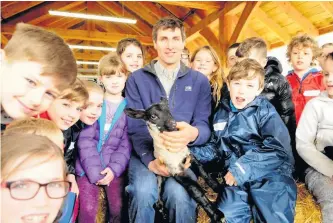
122	44
110	64
329	56
169	23
233	46
253	43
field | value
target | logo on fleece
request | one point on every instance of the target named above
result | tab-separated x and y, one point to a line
188	88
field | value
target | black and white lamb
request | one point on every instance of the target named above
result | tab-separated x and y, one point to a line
159	119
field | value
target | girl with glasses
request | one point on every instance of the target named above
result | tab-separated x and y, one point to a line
33	179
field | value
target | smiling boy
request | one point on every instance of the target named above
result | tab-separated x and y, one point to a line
255	146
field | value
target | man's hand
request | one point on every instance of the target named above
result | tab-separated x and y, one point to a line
109	176
74	188
187	163
156	166
230	180
178	140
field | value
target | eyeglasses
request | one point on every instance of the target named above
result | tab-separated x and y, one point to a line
185	56
26	189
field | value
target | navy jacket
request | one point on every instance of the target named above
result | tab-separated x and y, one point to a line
189	101
253	141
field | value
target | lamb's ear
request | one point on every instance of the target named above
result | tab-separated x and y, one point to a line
138	114
164	100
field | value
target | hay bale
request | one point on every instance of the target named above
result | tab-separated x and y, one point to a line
307	210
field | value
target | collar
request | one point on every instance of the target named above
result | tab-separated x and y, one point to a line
160	69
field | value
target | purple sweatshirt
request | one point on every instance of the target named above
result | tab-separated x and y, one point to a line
115	151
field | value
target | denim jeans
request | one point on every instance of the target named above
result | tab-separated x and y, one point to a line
321	187
143	194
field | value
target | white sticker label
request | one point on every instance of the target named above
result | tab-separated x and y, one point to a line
107	127
219	126
311	93
71	146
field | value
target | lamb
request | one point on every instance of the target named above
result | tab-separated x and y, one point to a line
159	119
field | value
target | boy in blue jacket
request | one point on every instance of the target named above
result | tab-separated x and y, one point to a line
255	145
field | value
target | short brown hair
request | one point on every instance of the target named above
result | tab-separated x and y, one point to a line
254	43
77	92
247	69
110	64
168	23
17	149
36	126
122	44
32	43
304	40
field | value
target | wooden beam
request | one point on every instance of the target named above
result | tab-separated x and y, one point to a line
244	20
229	6
4	39
140	26
327	6
212	40
298	17
136	7
17	7
88	55
195	5
272	25
86	35
41	12
326	30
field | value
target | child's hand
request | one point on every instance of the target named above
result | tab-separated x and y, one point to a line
179	139
74	188
108	177
230	180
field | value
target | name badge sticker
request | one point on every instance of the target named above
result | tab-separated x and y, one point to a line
219	126
311	93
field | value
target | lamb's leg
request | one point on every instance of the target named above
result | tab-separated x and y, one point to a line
216	186
159	204
198	194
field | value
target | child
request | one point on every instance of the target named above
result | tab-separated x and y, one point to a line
104	147
256	148
306	82
37	126
326	49
232	58
185	57
36	66
206	61
314	138
29	162
130	51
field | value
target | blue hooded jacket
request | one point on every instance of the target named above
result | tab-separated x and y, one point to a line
189	101
253	141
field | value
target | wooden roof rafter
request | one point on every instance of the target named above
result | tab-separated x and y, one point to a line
327	6
17	7
196	5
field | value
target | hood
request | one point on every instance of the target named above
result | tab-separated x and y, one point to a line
151	69
273	65
324	97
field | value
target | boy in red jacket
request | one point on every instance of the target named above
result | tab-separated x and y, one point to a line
306	82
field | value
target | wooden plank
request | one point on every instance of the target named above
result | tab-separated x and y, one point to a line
272	25
327	6
89	55
41	12
117	10
228	7
244	20
298	17
17	7
136	7
212	40
86	35
205	5
325	30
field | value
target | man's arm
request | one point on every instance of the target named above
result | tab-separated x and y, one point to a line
137	129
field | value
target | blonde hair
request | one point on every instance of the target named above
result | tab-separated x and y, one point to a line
216	78
305	41
77	92
247	69
111	64
36	126
32	43
92	87
326	45
254	43
18	149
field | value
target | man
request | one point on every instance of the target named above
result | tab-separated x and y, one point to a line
188	92
232	58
